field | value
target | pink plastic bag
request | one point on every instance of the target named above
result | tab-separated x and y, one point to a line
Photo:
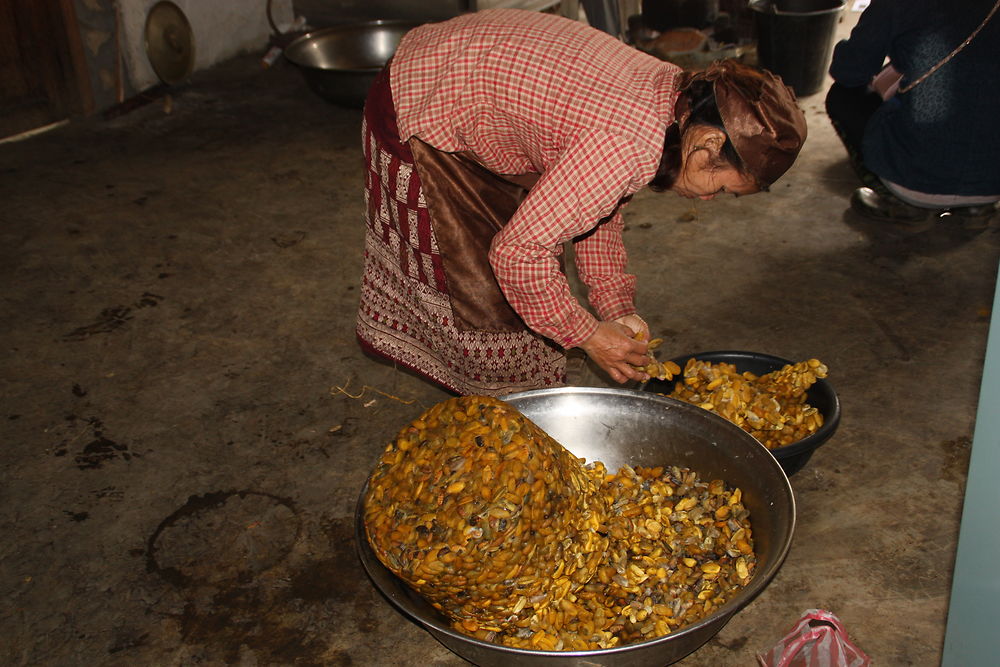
817	640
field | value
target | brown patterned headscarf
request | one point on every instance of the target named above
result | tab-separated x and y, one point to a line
760	114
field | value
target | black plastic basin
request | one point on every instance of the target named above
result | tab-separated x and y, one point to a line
821	396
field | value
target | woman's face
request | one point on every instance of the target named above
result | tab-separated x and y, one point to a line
703	174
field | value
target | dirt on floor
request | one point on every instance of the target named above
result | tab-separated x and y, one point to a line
189	420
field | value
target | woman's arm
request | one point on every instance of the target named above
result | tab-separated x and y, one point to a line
857	59
569	200
601	261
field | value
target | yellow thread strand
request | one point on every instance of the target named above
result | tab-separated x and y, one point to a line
343	390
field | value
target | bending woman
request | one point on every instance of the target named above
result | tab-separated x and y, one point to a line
493	139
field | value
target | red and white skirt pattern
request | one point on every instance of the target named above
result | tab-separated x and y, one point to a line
405	314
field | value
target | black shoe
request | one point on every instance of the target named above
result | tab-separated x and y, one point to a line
886	208
973	218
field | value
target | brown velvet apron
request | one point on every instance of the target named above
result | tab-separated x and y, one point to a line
469	205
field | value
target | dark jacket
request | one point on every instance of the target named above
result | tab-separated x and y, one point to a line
942	137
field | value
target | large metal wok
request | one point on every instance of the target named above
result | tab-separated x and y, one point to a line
340	63
621	427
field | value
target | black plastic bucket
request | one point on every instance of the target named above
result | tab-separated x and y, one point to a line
795	39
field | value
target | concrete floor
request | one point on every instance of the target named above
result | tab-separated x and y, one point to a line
188	419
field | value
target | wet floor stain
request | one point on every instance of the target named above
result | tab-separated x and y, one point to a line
221	536
239	622
98	450
288	239
956	459
735	645
109	493
125	642
276	600
113	318
336	578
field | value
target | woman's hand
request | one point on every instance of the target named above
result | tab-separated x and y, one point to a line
613	348
640	330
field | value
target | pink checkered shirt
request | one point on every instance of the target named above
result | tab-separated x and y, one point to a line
532	93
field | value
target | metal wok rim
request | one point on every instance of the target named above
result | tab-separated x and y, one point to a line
301	42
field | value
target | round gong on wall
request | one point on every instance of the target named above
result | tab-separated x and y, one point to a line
169	42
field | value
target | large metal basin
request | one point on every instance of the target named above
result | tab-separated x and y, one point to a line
340	63
619	427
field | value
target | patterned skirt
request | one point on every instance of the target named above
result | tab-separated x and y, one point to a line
408	313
